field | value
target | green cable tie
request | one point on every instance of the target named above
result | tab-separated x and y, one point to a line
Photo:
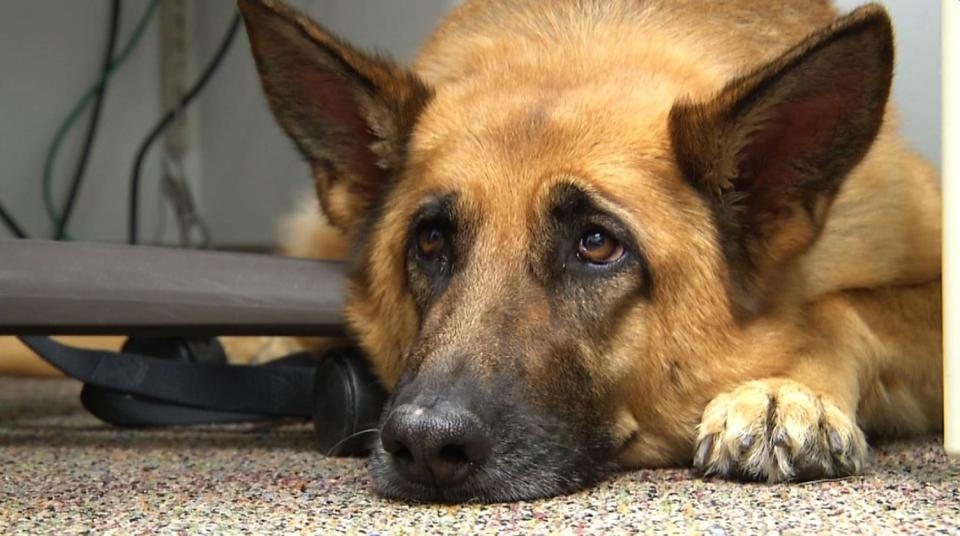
92	92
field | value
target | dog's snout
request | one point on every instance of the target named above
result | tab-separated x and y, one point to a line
440	446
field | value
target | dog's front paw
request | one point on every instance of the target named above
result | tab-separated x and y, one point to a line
777	430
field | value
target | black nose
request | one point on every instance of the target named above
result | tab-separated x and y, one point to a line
439	445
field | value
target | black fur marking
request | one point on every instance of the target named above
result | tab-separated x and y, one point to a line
536	454
428	279
593	298
572	213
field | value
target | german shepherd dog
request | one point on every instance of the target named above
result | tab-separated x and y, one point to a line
595	234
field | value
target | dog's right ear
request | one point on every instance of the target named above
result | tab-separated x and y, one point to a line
350	114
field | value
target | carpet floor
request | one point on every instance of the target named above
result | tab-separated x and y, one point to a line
63	472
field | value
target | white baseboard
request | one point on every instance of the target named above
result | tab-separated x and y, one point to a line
951	223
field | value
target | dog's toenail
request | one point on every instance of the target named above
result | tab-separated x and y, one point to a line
836	442
780	438
703	451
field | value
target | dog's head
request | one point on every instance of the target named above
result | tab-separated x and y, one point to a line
550	277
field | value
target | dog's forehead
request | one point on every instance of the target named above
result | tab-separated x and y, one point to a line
503	153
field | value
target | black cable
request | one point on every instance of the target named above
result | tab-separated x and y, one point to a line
11	223
166	121
94	123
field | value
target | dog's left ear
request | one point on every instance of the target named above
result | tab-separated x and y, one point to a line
772	149
350	114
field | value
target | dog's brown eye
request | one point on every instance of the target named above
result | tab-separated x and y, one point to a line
430	242
597	247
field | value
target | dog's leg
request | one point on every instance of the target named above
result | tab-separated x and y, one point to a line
872	359
801	423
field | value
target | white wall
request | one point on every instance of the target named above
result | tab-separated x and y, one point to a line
248	172
50	52
951	220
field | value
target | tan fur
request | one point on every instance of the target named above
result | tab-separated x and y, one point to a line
582	91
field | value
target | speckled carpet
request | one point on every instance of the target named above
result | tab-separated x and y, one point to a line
62	471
